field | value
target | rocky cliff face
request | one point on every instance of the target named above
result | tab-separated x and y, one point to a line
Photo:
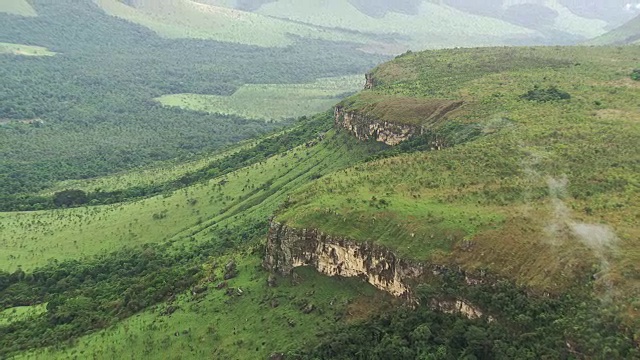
365	128
370	81
288	248
427	113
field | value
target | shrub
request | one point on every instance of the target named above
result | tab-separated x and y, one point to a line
543	95
635	75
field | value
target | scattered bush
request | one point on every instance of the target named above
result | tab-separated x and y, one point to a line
544	95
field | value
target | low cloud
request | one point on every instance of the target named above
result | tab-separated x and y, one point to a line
633	7
599	238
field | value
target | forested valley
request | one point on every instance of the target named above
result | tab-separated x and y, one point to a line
89	110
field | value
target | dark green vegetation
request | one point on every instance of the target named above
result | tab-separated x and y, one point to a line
543	95
89	110
528	328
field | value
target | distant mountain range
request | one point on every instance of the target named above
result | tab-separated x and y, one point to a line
381	25
628	33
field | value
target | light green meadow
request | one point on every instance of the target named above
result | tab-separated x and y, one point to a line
24	50
271	101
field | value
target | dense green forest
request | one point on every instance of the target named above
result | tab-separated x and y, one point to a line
89	110
528	328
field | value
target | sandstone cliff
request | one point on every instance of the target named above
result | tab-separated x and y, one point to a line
421	115
288	248
365	128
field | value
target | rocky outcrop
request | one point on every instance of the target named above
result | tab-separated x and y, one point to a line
288	248
370	81
365	128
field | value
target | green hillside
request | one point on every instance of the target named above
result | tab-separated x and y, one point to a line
381	28
17	7
628	33
432	27
191	19
432	24
137	189
545	193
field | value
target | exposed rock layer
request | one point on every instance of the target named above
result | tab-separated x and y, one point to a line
288	248
365	127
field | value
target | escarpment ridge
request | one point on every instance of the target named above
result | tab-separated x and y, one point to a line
288	248
390	119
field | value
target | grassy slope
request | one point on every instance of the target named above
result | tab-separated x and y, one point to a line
161	173
31	239
231	327
488	204
273	101
190	19
216	325
628	33
25	50
17	7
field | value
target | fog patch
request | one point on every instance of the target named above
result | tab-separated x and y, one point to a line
563	228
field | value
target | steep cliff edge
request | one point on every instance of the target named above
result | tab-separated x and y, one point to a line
390	119
288	248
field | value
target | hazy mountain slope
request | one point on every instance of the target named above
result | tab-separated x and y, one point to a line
382	25
628	33
432	26
614	12
567	21
555	19
17	7
190	19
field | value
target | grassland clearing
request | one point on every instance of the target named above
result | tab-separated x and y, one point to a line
271	101
17	7
24	50
21	313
